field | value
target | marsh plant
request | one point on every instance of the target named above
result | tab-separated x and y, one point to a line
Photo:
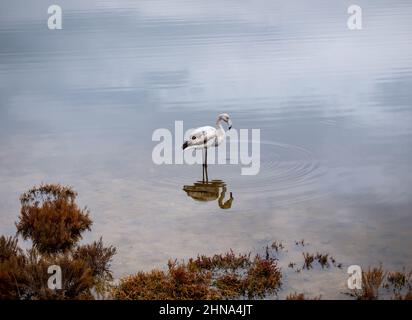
222	276
378	283
53	222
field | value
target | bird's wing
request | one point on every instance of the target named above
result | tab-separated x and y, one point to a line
206	130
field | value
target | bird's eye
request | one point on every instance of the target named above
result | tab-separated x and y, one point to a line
193	138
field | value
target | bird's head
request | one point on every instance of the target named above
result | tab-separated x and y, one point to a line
226	118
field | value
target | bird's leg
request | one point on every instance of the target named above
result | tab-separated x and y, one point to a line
203	167
206	157
207	178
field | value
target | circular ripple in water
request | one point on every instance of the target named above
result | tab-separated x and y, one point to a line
288	173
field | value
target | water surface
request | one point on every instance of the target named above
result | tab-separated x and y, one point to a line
78	106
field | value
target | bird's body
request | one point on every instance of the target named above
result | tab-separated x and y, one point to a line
207	136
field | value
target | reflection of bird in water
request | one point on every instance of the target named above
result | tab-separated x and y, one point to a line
210	191
228	203
205	137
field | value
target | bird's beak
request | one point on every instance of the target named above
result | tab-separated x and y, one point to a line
185	145
229	124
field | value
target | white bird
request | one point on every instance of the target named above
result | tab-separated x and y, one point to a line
207	136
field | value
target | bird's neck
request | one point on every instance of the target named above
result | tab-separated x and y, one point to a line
219	125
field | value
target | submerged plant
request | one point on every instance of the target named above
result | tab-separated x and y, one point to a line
300	242
277	246
300	296
308	260
322	258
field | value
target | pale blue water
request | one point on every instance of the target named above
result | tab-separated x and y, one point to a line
78	106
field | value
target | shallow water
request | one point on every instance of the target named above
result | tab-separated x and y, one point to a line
78	106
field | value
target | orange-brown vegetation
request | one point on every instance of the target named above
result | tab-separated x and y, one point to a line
223	276
377	283
51	219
